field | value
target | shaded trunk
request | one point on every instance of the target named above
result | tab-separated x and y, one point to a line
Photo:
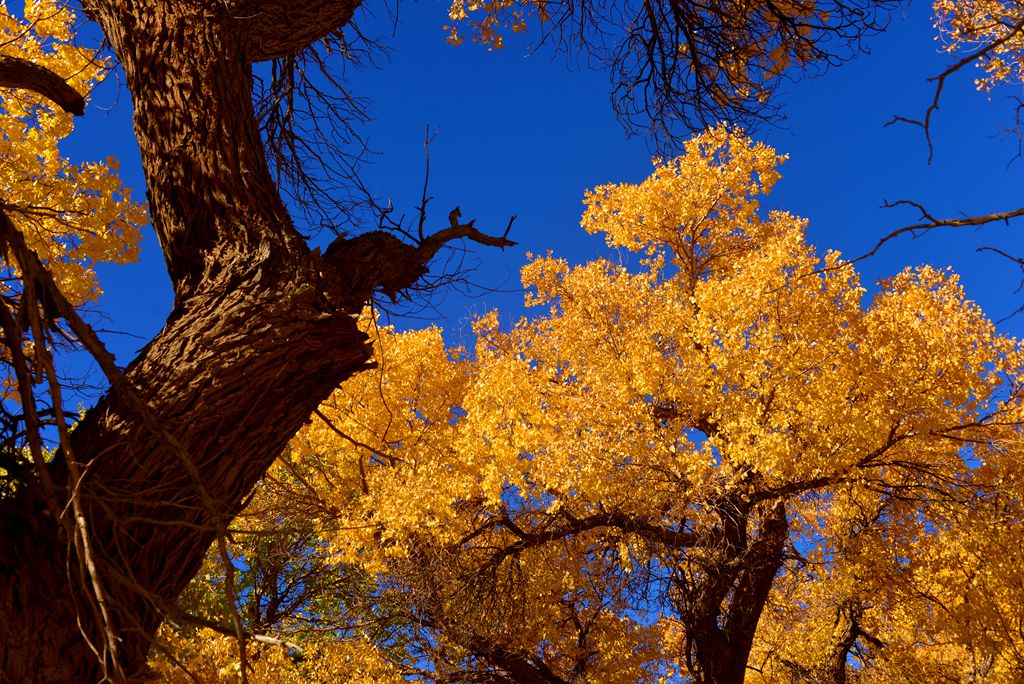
262	330
737	583
232	396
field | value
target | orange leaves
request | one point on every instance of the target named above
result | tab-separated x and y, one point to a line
487	20
74	216
700	207
602	449
993	28
213	657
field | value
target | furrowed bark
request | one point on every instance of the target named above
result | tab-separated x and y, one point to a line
261	331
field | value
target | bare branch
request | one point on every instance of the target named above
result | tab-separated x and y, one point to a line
940	81
232	597
930	222
1020	264
675	66
428	248
424	200
386	263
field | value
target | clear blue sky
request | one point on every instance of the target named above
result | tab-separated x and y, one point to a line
525	134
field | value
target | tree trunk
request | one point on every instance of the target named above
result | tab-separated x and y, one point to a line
738	581
262	330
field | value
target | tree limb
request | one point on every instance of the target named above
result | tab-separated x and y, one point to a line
21	73
940	81
274	29
429	247
675	539
176	612
930	222
384	262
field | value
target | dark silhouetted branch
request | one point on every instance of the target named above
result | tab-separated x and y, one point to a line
940	82
930	222
283	29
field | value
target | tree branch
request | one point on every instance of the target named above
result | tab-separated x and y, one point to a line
429	247
272	29
379	260
930	222
21	73
524	667
675	539
940	81
176	612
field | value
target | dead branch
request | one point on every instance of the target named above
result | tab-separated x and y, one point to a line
940	82
1019	261
930	222
455	231
381	261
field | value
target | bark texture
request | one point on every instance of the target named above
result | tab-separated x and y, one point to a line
262	330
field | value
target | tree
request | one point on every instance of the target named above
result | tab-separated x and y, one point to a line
262	327
674	469
306	616
64	216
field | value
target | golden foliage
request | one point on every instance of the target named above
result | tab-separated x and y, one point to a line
486	20
994	29
562	498
72	215
210	656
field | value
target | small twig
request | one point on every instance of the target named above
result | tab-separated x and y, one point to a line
364	485
940	81
424	200
84	544
930	223
32	423
508	228
1020	264
232	596
1017	260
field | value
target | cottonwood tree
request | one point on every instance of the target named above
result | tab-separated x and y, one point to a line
98	538
727	463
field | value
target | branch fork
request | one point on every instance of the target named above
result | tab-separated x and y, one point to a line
380	260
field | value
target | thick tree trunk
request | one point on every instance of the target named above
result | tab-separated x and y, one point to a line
262	330
738	582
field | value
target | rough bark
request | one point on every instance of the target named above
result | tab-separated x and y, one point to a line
261	331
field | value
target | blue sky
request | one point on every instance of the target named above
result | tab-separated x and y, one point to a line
526	134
